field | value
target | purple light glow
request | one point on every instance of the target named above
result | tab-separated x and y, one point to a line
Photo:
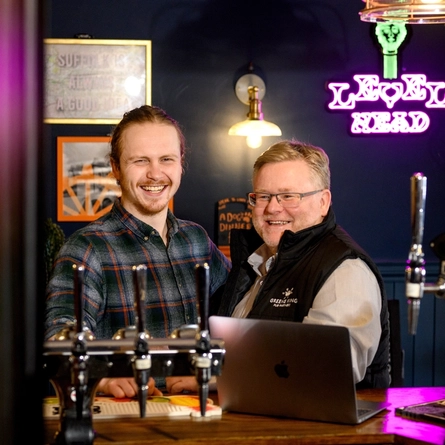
424	432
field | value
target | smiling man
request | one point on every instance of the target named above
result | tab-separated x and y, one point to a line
297	264
147	157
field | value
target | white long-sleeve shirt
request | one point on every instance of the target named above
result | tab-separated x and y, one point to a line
350	297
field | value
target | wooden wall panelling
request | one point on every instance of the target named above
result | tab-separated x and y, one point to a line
407	339
424	361
423	353
439	350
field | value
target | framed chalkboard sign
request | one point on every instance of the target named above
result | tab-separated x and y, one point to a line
94	81
233	213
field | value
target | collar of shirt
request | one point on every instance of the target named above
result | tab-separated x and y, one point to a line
261	261
138	227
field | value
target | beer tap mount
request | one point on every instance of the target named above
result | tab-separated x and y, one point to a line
202	359
142	358
415	271
76	362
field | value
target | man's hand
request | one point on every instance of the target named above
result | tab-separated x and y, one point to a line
125	387
177	385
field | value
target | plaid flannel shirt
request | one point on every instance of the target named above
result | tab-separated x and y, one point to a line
109	248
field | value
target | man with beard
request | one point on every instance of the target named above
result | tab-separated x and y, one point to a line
147	158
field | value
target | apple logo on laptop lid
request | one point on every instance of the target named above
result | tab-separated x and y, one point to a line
281	370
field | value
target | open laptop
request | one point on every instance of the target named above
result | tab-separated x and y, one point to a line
288	369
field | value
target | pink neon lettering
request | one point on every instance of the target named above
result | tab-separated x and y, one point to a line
414	87
421	121
390	92
399	123
338	103
368	87
436	88
385	122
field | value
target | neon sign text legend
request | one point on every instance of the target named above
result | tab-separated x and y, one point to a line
369	88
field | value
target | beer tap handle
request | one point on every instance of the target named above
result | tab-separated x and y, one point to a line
142	359
140	284
415	270
202	290
202	359
79	357
79	272
418	200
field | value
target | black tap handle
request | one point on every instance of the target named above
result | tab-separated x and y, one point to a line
142	359
140	284
202	290
79	272
203	357
79	357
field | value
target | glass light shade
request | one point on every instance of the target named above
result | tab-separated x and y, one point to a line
254	127
408	11
254	130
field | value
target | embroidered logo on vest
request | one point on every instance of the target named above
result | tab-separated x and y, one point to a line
285	301
288	292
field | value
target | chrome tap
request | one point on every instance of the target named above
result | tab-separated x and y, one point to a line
79	356
415	268
415	271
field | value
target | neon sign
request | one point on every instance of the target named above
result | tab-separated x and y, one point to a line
413	88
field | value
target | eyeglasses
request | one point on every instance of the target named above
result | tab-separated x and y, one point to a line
287	199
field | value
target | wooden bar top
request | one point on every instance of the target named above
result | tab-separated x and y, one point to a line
233	428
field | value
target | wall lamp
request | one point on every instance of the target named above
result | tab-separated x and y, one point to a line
250	89
408	11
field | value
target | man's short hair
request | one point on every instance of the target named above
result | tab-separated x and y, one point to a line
291	150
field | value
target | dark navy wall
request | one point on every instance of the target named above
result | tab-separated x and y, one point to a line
300	45
199	45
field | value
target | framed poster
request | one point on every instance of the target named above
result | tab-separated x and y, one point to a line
86	187
94	81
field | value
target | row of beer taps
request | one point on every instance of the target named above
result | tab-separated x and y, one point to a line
75	362
141	361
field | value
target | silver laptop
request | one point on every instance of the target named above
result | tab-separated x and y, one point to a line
288	369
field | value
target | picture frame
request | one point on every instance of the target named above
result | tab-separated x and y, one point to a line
86	186
95	81
233	213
